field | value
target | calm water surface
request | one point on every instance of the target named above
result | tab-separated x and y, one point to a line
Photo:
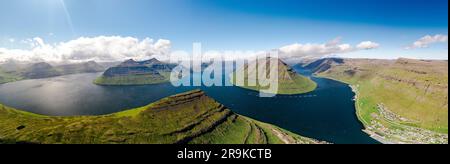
328	113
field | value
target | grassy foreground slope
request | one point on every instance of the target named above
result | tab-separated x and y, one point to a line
289	82
399	101
190	117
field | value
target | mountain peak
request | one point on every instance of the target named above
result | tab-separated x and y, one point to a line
41	65
181	99
129	63
40	70
323	65
289	81
150	62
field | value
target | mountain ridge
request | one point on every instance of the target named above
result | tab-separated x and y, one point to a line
131	72
12	71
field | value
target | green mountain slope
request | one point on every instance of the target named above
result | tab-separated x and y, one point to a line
289	82
6	77
40	70
132	72
399	101
190	117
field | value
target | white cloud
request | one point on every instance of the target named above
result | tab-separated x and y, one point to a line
425	41
334	47
367	45
102	48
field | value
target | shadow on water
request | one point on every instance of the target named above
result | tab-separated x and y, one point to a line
328	113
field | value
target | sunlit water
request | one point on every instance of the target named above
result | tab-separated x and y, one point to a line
328	113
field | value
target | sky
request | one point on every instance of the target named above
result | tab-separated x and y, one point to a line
107	29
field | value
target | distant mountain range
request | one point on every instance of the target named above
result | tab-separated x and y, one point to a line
13	71
322	65
132	72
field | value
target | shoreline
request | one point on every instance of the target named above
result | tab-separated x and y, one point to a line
366	130
371	134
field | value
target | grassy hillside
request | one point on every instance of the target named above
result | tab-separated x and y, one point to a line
289	82
131	80
6	77
190	117
400	101
10	72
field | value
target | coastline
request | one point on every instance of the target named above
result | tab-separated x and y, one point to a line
372	134
354	89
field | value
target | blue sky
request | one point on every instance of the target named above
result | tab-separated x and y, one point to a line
234	24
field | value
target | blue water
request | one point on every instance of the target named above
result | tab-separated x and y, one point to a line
327	114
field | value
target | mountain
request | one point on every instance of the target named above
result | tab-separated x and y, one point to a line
190	117
40	70
398	101
8	71
132	72
158	65
7	76
322	65
289	81
87	67
13	71
152	61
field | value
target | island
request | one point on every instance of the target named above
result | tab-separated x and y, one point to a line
132	72
289	81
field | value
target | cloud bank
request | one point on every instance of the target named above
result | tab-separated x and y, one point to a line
425	41
333	47
101	48
367	45
116	48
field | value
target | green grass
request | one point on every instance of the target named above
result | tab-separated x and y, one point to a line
131	80
416	91
288	81
190	117
164	77
298	84
243	130
403	99
8	77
